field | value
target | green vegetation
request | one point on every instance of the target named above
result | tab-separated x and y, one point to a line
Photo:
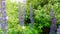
42	18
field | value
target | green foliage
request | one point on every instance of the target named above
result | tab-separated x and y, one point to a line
41	9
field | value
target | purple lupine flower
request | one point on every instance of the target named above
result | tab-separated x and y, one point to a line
58	31
4	8
53	26
31	15
5	25
54	20
4	14
21	14
4	3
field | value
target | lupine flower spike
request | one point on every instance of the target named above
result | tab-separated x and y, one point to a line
31	15
22	11
5	24
1	12
53	26
20	15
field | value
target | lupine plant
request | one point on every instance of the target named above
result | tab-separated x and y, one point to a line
31	15
20	15
3	19
4	16
22	11
53	26
41	16
21	22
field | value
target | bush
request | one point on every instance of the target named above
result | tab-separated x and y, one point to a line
42	18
